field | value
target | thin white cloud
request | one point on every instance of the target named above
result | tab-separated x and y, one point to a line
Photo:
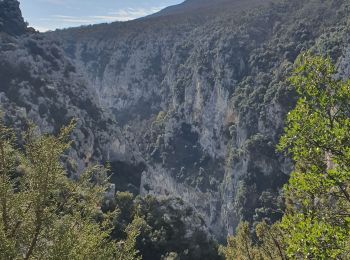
64	21
41	29
133	13
70	19
55	2
126	14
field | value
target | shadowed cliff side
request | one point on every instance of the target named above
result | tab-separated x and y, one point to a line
11	20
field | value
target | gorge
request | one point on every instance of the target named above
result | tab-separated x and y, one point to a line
187	103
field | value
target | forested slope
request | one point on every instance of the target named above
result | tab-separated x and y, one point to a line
184	103
202	93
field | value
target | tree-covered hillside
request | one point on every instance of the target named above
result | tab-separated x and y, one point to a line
203	96
186	106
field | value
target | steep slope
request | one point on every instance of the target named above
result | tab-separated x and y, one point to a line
198	92
209	7
203	97
11	20
39	83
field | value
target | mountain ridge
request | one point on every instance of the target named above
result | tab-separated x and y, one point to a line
203	6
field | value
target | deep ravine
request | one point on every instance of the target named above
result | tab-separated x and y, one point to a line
184	103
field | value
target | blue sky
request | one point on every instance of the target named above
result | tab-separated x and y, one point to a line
51	14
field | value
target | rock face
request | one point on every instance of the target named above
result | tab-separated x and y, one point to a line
39	83
11	20
204	97
199	97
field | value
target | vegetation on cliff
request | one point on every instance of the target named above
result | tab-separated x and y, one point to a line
173	230
316	222
217	83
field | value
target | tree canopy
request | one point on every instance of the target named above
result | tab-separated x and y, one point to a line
46	215
316	222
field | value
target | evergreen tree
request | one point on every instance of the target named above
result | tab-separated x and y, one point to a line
316	223
46	215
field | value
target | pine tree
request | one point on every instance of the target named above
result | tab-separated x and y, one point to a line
46	215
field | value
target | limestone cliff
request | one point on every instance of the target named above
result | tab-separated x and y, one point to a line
193	100
202	95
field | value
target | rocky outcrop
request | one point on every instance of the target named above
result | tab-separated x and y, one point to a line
11	20
39	83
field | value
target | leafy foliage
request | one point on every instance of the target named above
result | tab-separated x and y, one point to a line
46	215
316	223
317	137
166	233
266	243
